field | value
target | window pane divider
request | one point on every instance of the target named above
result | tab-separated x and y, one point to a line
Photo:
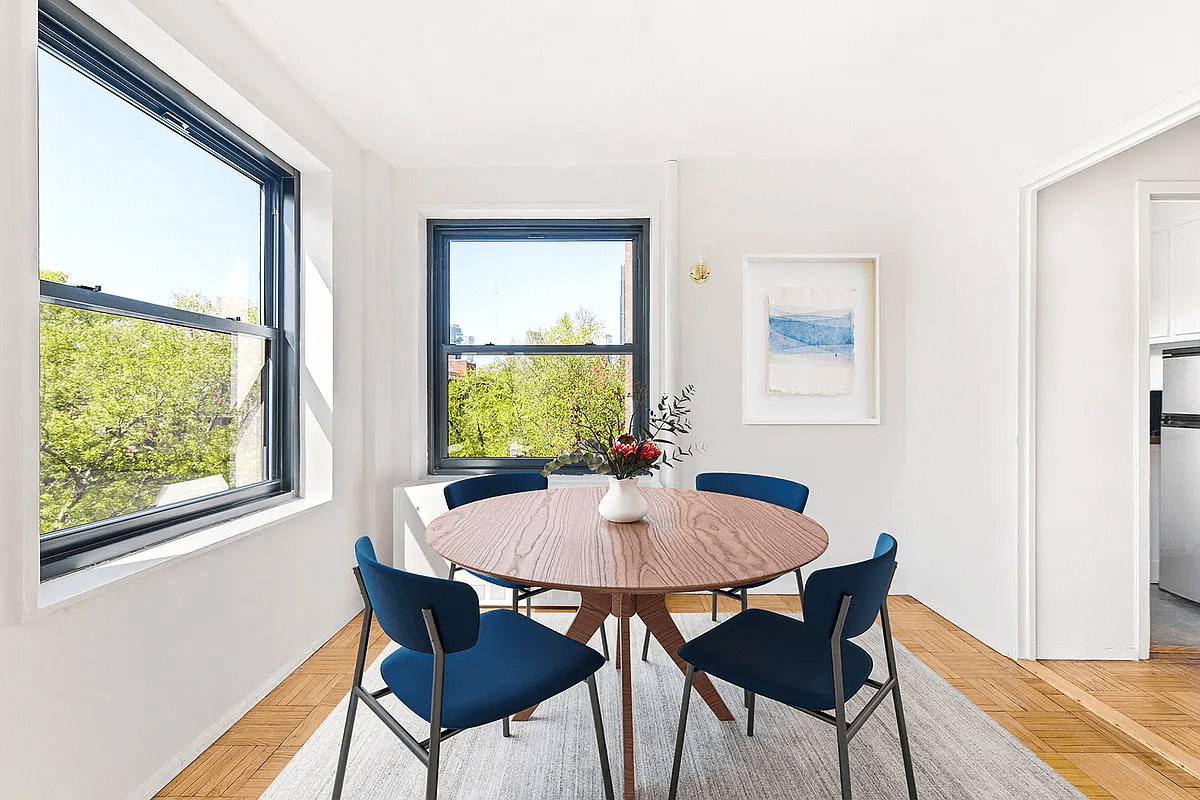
88	300
541	349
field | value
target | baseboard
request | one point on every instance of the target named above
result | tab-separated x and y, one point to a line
165	774
1075	654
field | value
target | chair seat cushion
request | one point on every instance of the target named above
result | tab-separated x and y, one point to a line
515	664
777	657
498	581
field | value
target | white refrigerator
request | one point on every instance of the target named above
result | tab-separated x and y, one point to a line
1179	511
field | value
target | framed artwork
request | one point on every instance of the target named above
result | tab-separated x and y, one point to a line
810	340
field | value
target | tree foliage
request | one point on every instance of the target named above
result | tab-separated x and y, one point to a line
130	407
523	405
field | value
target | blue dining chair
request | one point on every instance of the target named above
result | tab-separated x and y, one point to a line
810	665
450	667
481	487
777	491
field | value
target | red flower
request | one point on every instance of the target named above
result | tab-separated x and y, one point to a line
625	445
650	451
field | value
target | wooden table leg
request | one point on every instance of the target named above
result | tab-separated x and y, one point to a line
593	610
652	608
624	608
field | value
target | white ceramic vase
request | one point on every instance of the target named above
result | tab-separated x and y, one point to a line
623	502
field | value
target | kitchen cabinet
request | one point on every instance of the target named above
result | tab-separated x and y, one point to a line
1175	281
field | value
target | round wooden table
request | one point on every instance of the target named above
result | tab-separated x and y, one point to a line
689	541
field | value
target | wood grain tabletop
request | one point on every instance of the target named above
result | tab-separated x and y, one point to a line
688	541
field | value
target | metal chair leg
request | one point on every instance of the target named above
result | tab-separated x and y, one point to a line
360	664
529	607
605	771
904	751
646	646
515	606
504	731
604	641
890	651
714	614
839	698
344	755
683	712
747	695
800	586
750	714
453	569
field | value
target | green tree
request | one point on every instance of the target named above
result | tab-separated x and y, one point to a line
522	405
129	407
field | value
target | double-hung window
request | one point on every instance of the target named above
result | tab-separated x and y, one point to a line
534	326
169	304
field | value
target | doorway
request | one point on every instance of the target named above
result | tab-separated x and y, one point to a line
1169	219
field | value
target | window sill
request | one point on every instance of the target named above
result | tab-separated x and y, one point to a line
69	589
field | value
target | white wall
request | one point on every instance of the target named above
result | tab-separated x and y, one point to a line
855	472
1088	430
109	696
726	210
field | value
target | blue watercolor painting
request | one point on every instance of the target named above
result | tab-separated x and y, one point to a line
810	333
810	340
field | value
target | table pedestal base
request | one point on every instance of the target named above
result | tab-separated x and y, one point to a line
594	609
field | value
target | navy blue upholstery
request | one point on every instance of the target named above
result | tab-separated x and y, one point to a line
777	491
481	487
397	598
517	663
792	661
811	665
866	582
777	657
455	668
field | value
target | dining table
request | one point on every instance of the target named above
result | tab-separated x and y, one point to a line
688	541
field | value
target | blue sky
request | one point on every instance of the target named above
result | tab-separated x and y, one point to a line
131	205
498	290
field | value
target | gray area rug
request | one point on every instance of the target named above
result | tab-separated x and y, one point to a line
959	751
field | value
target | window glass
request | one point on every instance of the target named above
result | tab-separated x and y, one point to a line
128	204
537	327
169	305
138	414
517	292
522	406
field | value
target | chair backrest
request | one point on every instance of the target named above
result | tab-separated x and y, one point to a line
468	490
398	597
866	582
779	491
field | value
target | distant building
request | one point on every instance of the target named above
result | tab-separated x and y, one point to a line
456	336
459	367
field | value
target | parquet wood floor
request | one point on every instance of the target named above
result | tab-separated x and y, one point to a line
1116	730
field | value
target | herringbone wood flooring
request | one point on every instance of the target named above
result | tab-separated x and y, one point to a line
1117	730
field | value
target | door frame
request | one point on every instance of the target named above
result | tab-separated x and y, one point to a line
1148	191
1173	112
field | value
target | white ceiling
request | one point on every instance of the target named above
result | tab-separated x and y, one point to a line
520	82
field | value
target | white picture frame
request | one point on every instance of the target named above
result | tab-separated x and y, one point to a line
853	279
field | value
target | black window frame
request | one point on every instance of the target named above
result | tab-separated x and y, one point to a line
440	233
80	42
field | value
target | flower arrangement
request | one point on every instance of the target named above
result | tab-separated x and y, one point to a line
610	446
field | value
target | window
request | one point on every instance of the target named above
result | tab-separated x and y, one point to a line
169	305
531	321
